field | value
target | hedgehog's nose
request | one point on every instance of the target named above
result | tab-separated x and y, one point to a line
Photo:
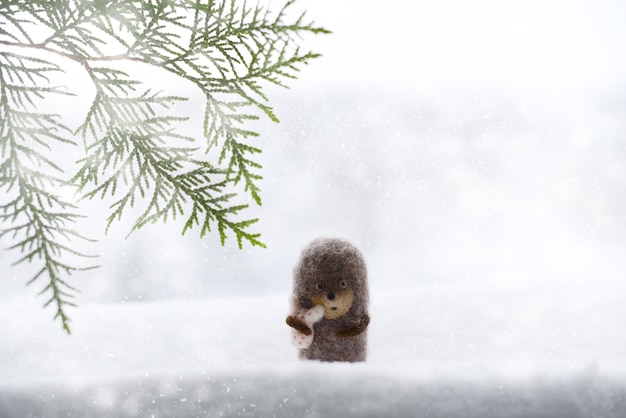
331	296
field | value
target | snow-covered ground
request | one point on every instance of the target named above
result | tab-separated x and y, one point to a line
433	352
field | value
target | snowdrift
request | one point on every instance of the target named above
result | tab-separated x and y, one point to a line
319	391
438	351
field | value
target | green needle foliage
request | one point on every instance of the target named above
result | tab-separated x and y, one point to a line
134	153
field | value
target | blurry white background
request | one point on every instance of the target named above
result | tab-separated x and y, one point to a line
480	143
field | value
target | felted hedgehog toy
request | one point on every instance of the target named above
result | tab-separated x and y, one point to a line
330	302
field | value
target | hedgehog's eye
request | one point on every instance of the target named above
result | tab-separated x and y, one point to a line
319	286
343	284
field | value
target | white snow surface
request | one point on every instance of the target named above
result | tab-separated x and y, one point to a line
434	351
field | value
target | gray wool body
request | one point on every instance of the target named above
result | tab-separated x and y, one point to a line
332	273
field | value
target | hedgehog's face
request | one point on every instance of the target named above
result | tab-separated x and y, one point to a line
334	293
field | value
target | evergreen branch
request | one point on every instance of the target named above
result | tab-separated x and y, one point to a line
243	47
131	153
27	186
239	45
227	49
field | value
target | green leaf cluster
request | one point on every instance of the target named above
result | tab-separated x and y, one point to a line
135	155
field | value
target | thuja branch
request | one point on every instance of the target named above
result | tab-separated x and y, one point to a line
135	155
37	217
